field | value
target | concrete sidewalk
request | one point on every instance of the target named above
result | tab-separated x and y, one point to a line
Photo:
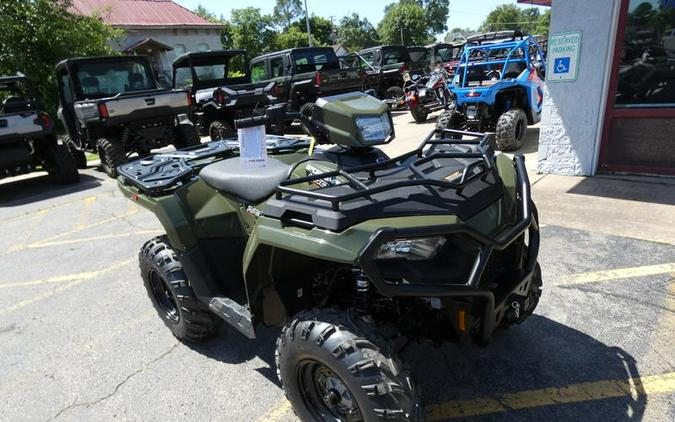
635	207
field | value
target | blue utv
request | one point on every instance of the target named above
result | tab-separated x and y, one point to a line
498	87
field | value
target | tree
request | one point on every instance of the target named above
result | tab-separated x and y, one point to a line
322	30
207	14
511	17
225	31
436	12
37	34
286	11
356	33
404	23
252	31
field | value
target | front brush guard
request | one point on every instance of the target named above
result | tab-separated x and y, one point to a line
528	220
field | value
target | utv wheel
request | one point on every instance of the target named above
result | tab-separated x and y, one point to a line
395	93
61	164
333	370
171	295
111	154
419	114
511	130
77	154
186	136
219	130
306	111
450	119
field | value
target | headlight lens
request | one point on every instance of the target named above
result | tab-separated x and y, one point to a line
411	249
374	129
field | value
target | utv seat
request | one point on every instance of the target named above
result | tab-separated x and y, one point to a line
252	184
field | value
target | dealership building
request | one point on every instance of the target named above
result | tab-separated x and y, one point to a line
610	101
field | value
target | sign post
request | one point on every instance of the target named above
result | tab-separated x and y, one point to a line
563	56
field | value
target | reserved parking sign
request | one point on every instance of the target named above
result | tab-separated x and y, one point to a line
563	56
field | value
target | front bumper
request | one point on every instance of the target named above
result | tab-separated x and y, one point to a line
493	302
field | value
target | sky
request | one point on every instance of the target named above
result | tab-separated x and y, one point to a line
463	13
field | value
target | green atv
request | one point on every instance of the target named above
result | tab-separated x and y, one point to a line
353	253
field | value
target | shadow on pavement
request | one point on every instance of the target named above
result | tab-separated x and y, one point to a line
538	354
40	188
531	144
652	190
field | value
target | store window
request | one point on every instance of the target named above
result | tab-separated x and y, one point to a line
203	47
646	69
178	49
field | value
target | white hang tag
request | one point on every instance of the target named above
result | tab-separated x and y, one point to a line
252	146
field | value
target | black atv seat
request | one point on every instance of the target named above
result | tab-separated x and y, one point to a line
252	184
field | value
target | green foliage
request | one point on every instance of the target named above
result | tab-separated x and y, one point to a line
292	38
510	17
404	23
436	13
37	34
322	30
286	11
252	31
208	15
356	33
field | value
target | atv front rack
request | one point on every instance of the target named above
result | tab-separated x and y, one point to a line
484	166
494	303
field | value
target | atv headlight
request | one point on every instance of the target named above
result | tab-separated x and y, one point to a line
411	249
374	129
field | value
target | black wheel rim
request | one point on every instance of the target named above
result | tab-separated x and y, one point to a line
325	394
163	296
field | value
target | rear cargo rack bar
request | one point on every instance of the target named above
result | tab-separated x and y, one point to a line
484	152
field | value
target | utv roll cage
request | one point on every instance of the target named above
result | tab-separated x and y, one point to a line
20	103
507	57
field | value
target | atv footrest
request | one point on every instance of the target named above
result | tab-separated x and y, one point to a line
235	314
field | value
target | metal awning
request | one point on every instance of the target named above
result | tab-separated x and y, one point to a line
147	45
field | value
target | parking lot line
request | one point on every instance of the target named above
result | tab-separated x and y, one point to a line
93	238
86	210
52	207
573	393
71	280
277	412
592	277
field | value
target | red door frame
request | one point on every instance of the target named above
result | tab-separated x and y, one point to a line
618	113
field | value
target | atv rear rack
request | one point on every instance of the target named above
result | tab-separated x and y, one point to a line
485	165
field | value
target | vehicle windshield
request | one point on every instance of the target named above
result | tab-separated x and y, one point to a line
447	54
395	55
418	56
211	69
109	78
313	60
15	96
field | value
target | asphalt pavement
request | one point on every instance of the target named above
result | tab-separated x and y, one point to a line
79	339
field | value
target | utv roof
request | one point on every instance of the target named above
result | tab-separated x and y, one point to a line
377	47
184	59
495	36
65	62
12	78
291	50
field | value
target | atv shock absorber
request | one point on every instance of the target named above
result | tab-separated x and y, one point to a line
362	286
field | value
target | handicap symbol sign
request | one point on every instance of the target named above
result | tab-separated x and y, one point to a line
561	65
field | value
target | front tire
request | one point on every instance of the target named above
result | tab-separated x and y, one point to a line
511	130
395	93
331	369
451	119
77	154
172	297
111	154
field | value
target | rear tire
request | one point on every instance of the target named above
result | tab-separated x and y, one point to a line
170	293
219	130
419	114
306	111
62	164
395	93
77	154
511	130
450	119
111	154
331	369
